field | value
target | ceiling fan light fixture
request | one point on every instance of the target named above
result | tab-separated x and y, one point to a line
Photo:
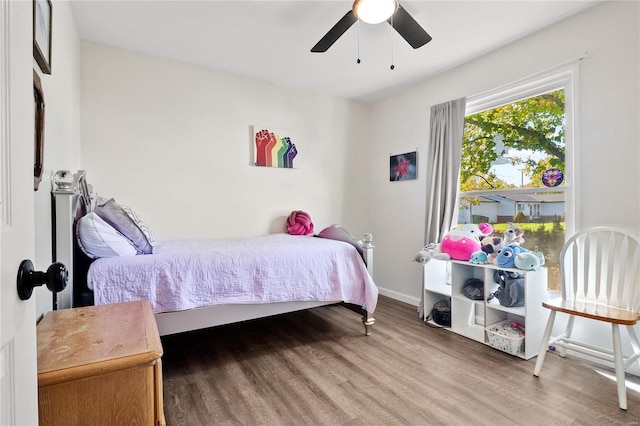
374	11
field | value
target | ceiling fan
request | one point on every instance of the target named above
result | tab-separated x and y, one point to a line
375	12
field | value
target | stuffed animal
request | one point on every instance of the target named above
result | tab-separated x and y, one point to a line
491	246
463	240
507	255
459	244
513	235
529	260
479	257
423	255
430	251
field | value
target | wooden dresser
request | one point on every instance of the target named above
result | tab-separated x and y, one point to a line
100	365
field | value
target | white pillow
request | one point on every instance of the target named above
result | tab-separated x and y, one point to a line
98	239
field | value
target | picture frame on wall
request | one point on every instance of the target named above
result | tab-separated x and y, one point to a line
42	18
403	167
273	147
38	152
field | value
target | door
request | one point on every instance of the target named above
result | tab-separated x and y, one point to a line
18	356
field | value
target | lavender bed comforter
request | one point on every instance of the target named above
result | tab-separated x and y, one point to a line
183	275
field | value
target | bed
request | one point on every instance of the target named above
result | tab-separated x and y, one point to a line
198	284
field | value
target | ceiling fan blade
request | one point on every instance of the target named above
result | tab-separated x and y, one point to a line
334	33
408	28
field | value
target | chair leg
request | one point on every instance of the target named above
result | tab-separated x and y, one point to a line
544	345
619	364
567	334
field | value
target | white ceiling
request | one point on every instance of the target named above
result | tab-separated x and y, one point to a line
271	40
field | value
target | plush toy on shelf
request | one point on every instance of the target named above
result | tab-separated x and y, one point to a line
479	258
459	243
507	255
431	251
529	260
513	235
491	246
463	240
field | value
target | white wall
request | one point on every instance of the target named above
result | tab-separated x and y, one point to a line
62	130
607	136
173	142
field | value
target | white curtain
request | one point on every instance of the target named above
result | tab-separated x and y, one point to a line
443	168
444	152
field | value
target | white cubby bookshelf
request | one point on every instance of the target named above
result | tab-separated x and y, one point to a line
444	280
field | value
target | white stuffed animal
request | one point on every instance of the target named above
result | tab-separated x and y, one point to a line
513	235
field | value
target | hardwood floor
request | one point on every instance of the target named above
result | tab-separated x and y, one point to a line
317	367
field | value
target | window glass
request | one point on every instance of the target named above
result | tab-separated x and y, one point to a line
513	170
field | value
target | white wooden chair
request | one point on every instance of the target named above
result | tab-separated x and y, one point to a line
600	270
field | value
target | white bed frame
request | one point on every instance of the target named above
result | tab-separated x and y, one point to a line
66	208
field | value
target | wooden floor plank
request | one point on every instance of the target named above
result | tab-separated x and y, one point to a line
316	367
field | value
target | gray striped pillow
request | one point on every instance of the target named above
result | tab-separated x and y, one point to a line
128	223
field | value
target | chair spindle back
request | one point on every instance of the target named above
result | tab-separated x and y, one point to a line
602	265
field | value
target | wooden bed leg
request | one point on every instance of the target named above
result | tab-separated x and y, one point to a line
368	321
367	317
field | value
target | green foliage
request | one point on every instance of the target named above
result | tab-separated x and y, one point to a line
533	125
519	216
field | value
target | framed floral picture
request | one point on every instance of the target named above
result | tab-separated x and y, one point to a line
403	167
42	11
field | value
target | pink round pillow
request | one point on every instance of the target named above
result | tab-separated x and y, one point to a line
299	223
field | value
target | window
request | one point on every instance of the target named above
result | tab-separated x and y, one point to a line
517	161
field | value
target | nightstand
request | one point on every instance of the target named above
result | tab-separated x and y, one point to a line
100	365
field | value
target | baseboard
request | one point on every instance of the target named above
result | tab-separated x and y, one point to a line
399	296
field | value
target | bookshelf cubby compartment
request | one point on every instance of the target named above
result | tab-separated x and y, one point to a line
444	279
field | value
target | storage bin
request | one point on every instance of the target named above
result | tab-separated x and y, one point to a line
506	338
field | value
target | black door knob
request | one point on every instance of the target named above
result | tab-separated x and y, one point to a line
55	278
